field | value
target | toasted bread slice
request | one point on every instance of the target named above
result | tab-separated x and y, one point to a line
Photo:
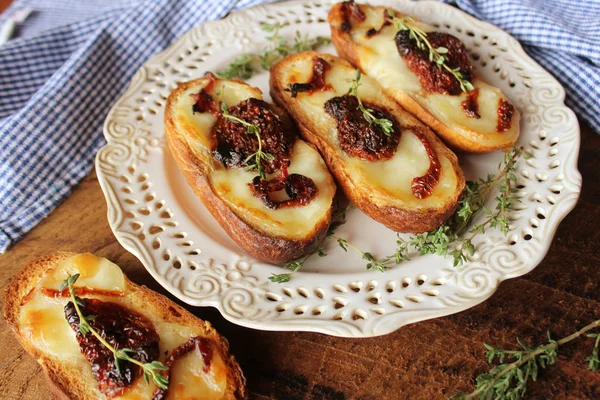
383	183
477	121
272	235
35	310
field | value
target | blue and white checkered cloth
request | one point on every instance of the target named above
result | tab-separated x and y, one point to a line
73	59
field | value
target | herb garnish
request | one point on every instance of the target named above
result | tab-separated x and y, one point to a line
445	240
150	369
436	54
242	67
259	155
338	218
282	48
385	124
372	262
441	240
509	381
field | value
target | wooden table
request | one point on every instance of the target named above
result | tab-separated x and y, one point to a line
427	360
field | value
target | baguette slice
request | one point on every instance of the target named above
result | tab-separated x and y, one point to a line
377	56
272	235
38	320
383	188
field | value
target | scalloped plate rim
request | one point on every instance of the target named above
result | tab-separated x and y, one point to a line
321	325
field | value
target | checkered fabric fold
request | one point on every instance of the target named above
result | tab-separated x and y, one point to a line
73	59
563	36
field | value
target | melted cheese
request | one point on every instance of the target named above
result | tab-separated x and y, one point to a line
188	380
95	272
391	179
231	185
43	324
379	58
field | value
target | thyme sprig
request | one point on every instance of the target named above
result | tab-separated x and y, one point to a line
338	218
594	359
509	381
446	240
151	369
280	47
254	160
293	267
240	67
244	66
372	262
384	124
436	54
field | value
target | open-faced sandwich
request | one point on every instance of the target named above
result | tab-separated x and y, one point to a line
429	73
388	163
269	190
97	335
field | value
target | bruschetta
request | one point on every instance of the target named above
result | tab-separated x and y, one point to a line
190	359
428	72
268	189
390	165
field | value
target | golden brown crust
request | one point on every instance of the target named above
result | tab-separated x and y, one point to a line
65	379
399	220
259	245
457	140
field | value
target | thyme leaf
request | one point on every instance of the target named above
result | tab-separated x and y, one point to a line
151	369
338	219
254	160
372	262
245	66
240	67
509	380
386	126
280	48
594	359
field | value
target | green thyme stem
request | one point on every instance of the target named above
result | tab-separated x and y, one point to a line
346	243
485	191
530	356
236	119
338	218
258	155
160	380
372	262
294	266
242	66
82	320
384	124
435	54
445	240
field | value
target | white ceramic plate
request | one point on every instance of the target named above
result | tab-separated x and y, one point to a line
156	216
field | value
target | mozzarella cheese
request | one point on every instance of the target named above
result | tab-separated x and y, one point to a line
43	324
231	185
380	59
390	180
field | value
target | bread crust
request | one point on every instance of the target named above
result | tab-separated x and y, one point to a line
397	219
462	140
65	379
275	250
